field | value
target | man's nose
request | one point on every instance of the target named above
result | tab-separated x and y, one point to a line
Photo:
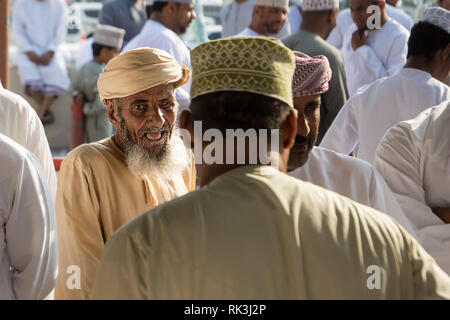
303	128
154	117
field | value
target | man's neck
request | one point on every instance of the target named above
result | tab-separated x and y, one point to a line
98	60
316	27
207	173
118	142
158	17
419	63
258	29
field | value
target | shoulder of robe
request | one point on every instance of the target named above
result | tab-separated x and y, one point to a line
326	209
398	30
178	212
14	106
85	155
356	165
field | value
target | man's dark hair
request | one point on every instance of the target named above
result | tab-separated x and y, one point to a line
97	48
426	39
238	110
149	10
158	6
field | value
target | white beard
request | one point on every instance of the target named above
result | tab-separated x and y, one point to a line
169	166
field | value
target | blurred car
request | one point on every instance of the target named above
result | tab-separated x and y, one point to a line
82	20
412	7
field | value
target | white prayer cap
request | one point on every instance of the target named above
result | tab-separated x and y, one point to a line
273	3
109	36
320	5
437	16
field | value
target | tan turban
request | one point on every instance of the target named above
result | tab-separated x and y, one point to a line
139	70
311	76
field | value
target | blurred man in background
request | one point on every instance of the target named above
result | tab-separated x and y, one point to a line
39	27
169	20
374	46
238	14
319	18
366	117
269	17
129	15
107	44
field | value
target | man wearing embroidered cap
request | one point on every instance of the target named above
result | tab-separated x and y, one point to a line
168	21
107	44
319	18
414	156
105	184
366	117
269	17
251	231
354	178
237	15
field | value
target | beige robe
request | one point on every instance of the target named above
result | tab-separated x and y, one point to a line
97	194
256	233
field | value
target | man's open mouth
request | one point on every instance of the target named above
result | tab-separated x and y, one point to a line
156	138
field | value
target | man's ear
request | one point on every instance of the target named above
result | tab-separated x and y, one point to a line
256	11
186	128
172	7
444	53
112	113
289	129
330	16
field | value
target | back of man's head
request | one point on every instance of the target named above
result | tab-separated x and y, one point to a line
238	110
242	82
426	40
158	6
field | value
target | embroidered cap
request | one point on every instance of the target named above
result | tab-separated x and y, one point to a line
253	64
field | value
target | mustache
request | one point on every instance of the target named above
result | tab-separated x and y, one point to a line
302	139
143	131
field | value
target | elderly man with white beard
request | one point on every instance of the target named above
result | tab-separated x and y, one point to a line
103	185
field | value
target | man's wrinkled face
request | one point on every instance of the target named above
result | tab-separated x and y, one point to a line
308	108
147	119
358	9
184	15
273	19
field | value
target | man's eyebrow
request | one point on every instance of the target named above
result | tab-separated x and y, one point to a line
313	103
137	101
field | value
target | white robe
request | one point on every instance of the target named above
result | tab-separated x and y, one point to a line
247	32
295	18
344	21
238	16
352	178
29	253
85	53
384	55
156	35
41	26
414	159
19	122
365	118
